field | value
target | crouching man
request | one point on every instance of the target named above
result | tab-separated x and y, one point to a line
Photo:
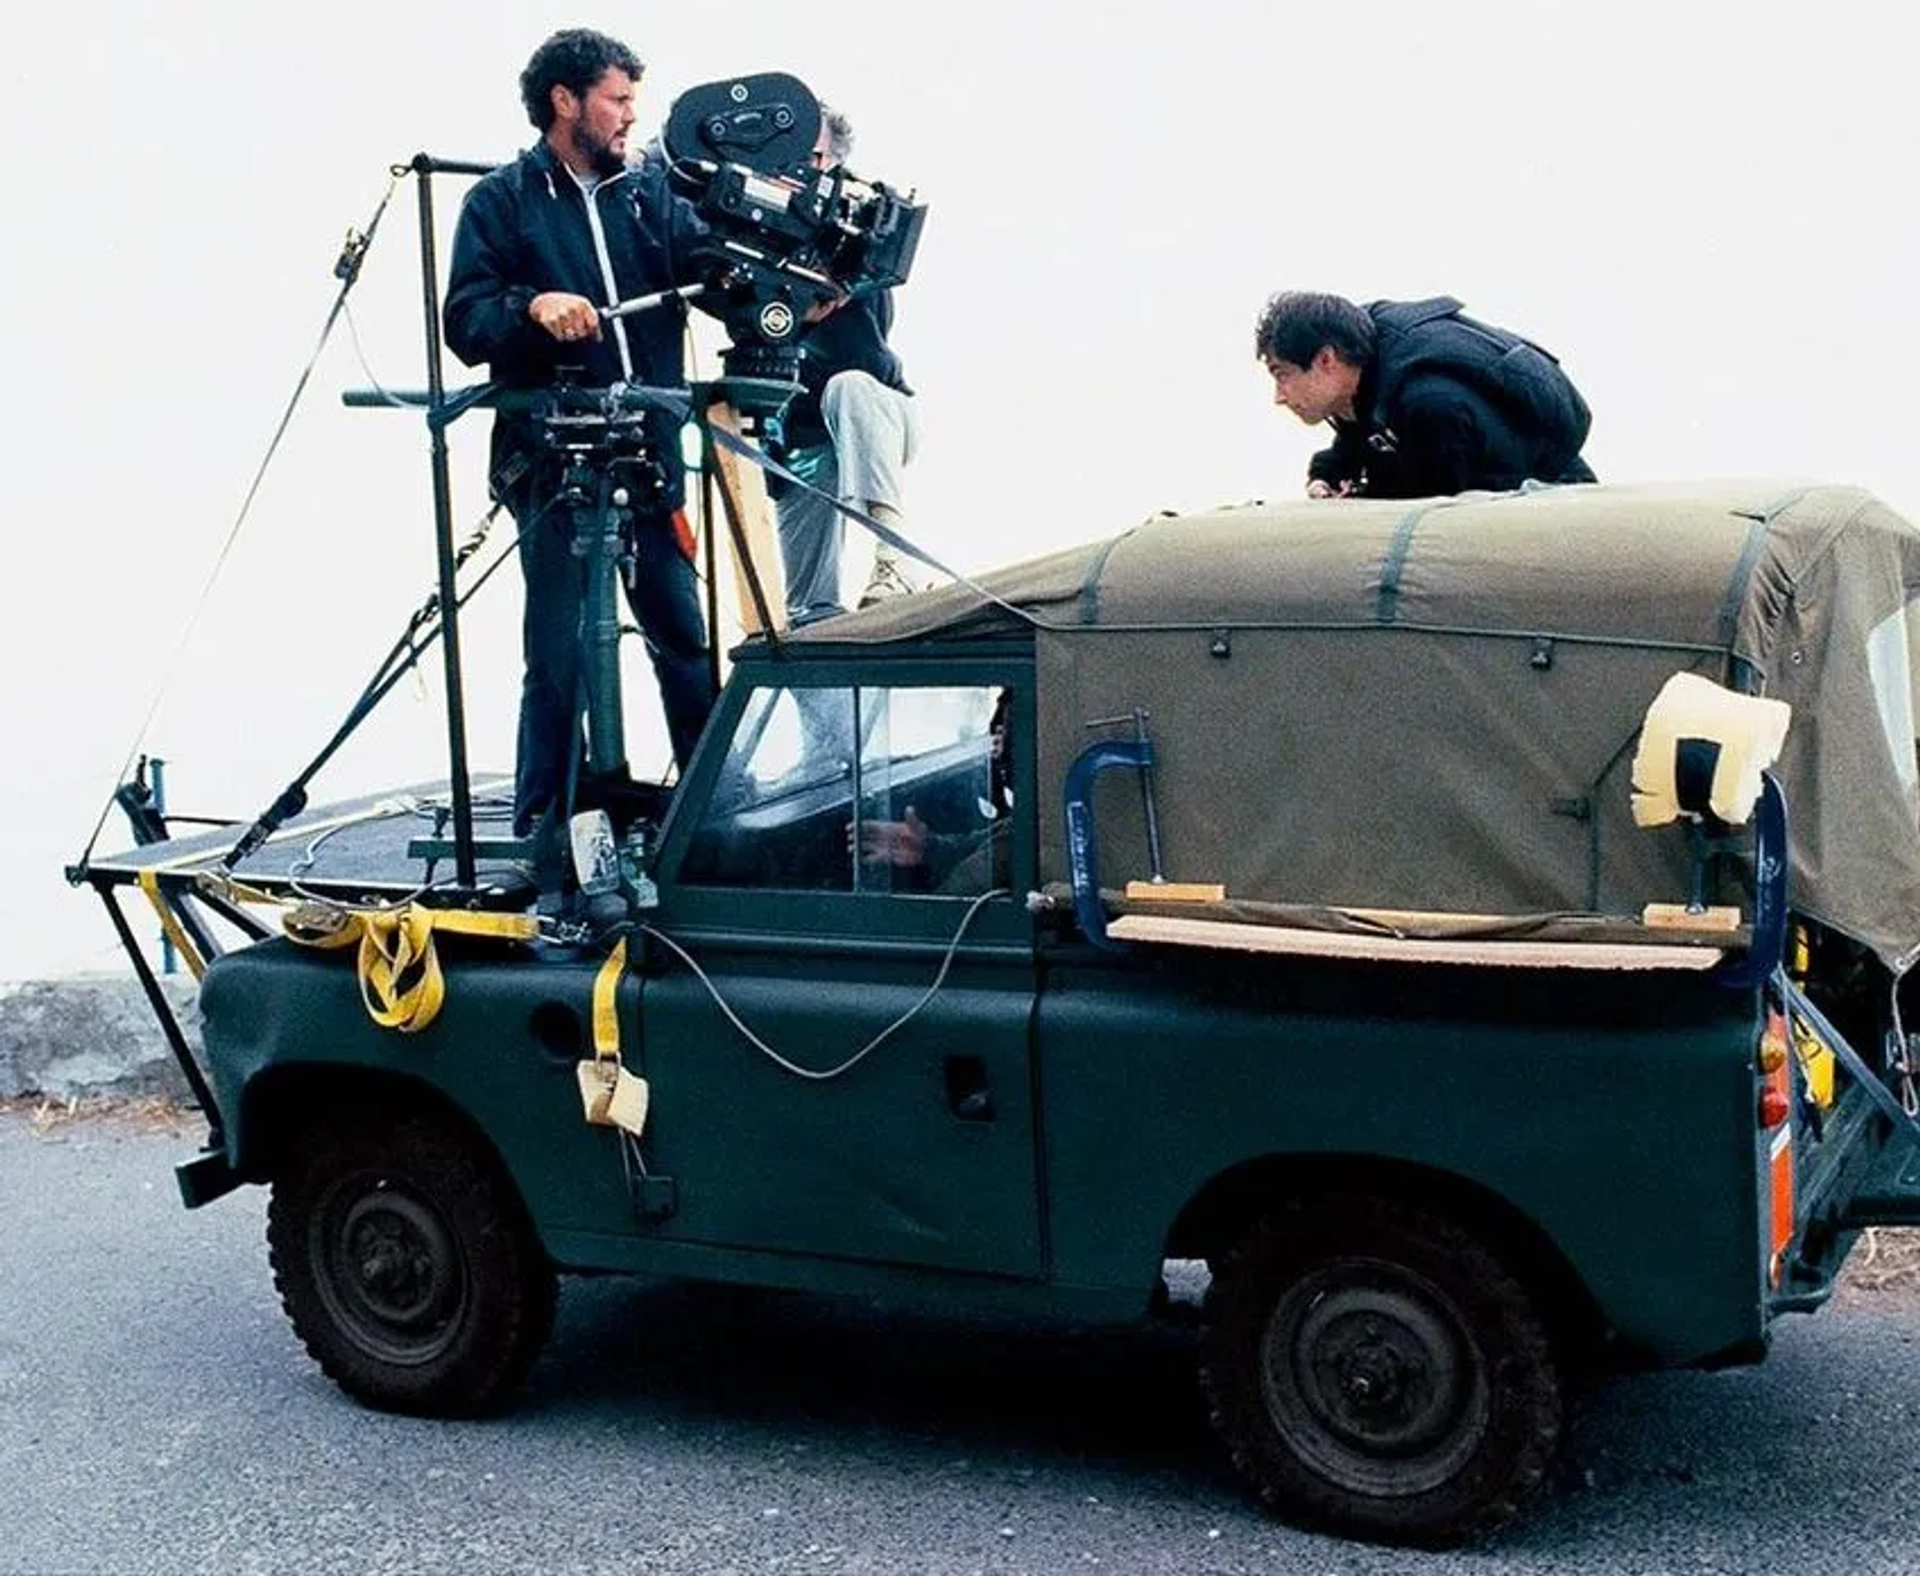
1423	400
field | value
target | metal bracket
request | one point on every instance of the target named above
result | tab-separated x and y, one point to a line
654	1197
1769	941
1906	1128
1083	862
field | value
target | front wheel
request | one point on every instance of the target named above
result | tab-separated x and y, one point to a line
407	1265
1377	1371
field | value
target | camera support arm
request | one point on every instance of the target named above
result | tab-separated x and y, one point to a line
646	303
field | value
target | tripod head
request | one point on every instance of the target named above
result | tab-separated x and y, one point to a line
782	236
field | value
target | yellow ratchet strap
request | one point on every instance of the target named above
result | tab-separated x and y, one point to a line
400	978
170	923
223	885
606	1018
609	1094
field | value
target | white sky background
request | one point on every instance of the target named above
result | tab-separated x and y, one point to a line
1707	211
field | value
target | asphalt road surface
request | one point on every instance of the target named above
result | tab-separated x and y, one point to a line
157	1415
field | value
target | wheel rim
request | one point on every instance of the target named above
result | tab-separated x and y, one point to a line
1369	1376
389	1271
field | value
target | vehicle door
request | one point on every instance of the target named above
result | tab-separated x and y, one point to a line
839	979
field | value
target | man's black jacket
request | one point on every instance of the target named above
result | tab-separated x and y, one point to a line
1449	405
524	229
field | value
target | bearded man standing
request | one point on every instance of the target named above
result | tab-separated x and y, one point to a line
543	243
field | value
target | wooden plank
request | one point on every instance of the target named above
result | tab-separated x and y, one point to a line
1677	916
1227	936
1178	891
751	533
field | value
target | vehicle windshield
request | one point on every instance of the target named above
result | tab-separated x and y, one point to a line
854	789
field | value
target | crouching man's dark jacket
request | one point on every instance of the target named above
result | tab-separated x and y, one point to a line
1449	405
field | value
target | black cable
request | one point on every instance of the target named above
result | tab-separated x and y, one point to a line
415	641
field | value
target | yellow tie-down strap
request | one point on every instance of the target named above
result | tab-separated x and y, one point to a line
400	978
610	1095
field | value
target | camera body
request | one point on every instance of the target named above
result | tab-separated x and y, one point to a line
783	237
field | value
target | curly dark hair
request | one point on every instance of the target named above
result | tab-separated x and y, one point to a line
1295	324
574	59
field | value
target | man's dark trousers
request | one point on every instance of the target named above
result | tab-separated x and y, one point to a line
664	595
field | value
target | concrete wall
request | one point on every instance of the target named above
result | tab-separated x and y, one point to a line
91	1035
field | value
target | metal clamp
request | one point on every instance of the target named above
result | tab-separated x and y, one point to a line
1083	863
1769	939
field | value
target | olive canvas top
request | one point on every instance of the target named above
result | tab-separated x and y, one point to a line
1434	704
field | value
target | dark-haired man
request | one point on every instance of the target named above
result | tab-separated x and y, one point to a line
1423	400
542	244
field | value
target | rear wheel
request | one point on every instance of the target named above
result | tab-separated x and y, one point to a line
406	1262
1379	1372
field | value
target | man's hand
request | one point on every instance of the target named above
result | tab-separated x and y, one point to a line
824	309
567	317
902	843
1319	489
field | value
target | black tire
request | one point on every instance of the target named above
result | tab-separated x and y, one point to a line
405	1259
1377	1371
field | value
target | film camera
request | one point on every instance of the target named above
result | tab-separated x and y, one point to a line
783	236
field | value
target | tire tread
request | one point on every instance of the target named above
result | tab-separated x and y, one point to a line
515	1288
1297	1234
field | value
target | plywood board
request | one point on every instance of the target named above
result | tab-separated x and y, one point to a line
751	534
1226	936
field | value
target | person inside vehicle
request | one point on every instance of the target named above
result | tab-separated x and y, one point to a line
1423	400
959	861
542	244
849	433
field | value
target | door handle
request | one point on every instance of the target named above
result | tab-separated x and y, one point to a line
968	1096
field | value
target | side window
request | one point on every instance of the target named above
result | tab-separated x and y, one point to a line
934	811
860	790
1890	668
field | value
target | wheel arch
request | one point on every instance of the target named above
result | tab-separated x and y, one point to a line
283	1102
1222	1211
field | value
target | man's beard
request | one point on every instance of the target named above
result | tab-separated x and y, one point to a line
599	154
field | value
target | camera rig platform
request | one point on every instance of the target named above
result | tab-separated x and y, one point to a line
782	238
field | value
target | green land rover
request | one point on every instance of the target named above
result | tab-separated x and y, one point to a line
1322	894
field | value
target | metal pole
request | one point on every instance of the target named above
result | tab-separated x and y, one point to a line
712	546
157	768
463	857
597	541
169	1021
1146	796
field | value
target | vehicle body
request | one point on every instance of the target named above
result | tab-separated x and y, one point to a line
1433	1181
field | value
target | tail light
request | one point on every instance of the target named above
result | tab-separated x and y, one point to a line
1775	1106
1776	1102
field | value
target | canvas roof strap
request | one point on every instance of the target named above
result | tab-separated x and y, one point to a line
401	982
